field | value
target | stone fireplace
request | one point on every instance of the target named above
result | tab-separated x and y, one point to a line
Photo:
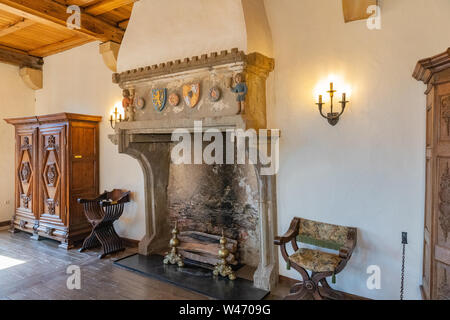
206	198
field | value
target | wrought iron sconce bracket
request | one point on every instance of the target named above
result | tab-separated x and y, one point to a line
115	118
332	117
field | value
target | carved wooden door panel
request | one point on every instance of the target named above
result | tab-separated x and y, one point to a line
52	200
26	176
442	209
83	170
427	250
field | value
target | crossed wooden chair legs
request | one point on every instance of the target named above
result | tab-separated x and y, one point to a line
101	214
105	236
315	285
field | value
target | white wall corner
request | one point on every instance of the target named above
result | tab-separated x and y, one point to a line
259	34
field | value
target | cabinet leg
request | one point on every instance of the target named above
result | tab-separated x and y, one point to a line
12	227
64	246
36	237
67	245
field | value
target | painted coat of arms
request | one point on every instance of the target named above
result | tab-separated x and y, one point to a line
159	98
191	94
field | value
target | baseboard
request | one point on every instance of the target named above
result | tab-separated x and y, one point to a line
291	282
130	243
5	225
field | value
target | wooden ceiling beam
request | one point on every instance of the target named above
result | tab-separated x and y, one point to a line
28	16
13	27
106	6
124	24
19	58
52	13
59	46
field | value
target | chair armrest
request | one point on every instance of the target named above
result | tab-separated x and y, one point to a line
82	201
290	234
346	251
106	203
99	198
125	198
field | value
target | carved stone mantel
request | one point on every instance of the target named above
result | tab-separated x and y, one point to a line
213	70
148	140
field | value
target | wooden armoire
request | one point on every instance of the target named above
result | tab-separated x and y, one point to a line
57	162
435	72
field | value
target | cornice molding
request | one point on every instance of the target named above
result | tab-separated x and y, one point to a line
53	117
426	68
263	64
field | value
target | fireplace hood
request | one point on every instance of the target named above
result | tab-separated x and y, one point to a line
167	30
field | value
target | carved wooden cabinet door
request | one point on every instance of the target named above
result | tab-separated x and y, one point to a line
429	168
442	207
26	176
83	170
52	199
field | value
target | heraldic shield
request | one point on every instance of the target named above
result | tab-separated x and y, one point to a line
191	94
159	98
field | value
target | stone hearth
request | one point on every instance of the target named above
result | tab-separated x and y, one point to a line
203	198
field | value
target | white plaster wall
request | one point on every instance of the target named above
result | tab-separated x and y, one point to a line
17	101
172	29
368	171
78	81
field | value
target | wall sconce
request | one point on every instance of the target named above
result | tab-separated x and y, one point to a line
116	117
332	117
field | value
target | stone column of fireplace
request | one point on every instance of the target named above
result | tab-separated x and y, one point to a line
266	276
148	139
153	154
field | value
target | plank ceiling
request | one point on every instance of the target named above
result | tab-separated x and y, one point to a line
37	27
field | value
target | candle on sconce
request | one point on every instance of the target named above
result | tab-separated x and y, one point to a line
320	99
344	97
116	116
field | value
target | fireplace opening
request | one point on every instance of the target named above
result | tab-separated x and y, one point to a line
210	199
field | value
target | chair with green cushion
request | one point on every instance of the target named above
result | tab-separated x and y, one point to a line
321	264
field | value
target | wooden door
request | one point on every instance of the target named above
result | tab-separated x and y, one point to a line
26	177
52	199
83	171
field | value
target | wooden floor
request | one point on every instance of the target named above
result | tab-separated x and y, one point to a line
42	275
